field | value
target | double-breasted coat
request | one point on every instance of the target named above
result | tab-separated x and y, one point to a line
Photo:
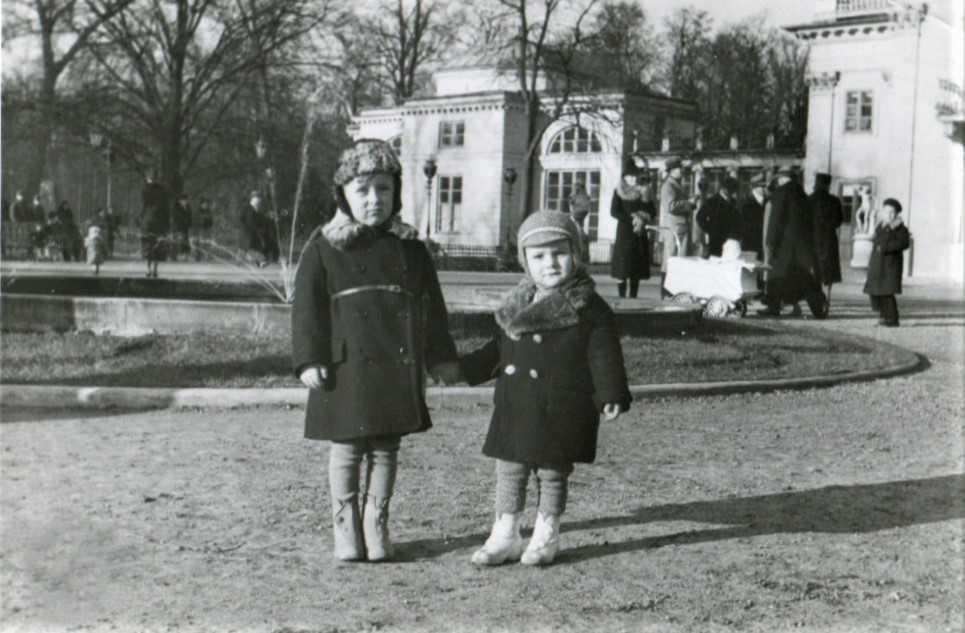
631	249
720	221
372	312
556	362
827	216
887	260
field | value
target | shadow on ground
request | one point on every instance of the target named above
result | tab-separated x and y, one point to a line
830	510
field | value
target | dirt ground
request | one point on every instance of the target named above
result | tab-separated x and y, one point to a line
839	509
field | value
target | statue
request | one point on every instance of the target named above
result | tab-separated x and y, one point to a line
867	214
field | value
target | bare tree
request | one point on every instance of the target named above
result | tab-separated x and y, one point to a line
174	68
545	50
64	29
409	40
625	44
687	38
787	63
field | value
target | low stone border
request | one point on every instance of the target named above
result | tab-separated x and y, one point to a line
45	396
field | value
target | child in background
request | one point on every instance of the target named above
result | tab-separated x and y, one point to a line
368	318
558	365
96	245
886	263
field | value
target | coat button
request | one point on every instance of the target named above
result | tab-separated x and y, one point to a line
510	370
537	338
533	373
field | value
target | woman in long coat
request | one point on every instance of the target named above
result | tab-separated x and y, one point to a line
633	209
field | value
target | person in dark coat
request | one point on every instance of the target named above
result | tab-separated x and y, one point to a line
558	365
886	262
752	217
155	223
789	239
68	233
827	216
368	319
633	208
718	217
181	228
252	230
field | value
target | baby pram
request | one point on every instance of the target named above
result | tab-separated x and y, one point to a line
722	285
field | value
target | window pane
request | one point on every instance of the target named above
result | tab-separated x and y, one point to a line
457	183
865	125
595	144
852	98
456	197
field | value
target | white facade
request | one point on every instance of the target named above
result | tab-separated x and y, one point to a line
878	72
473	131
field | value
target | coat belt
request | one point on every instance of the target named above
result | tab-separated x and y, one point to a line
383	287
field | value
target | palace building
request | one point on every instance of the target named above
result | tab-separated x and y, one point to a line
885	116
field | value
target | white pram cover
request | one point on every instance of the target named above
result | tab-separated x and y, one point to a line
731	279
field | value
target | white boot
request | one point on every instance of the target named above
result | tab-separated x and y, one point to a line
545	543
504	542
347	529
375	527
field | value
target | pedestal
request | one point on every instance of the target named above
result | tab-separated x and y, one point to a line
861	252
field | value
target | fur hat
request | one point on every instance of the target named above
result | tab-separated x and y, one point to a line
366	158
548	226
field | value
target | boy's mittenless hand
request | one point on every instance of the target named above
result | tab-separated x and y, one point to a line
446	373
612	410
314	376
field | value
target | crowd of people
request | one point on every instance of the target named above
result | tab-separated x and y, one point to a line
794	234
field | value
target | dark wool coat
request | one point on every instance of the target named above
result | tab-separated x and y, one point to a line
557	362
631	251
827	216
790	232
719	219
251	235
369	308
155	220
887	260
752	225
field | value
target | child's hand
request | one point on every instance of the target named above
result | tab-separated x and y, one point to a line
612	410
314	376
446	373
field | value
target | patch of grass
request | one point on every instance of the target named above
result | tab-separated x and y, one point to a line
715	351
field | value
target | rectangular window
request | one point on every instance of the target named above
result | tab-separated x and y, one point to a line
559	186
858	111
450	204
452	134
715	178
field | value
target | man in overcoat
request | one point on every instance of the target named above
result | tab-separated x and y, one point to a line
676	213
827	216
718	217
789	237
752	217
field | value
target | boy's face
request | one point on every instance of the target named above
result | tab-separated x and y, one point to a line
550	264
888	214
370	198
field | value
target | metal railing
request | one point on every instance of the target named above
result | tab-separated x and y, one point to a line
855	7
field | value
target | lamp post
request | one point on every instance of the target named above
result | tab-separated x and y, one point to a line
97	140
429	168
509	177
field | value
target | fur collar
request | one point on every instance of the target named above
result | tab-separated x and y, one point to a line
628	192
345	232
560	309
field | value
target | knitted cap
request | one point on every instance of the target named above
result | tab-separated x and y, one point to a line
367	157
548	226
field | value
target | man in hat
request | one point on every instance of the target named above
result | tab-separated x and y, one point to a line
827	216
752	217
718	217
676	213
789	238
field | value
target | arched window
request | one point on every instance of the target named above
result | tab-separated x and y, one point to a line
396	144
575	140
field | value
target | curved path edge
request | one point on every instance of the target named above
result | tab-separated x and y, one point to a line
54	396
